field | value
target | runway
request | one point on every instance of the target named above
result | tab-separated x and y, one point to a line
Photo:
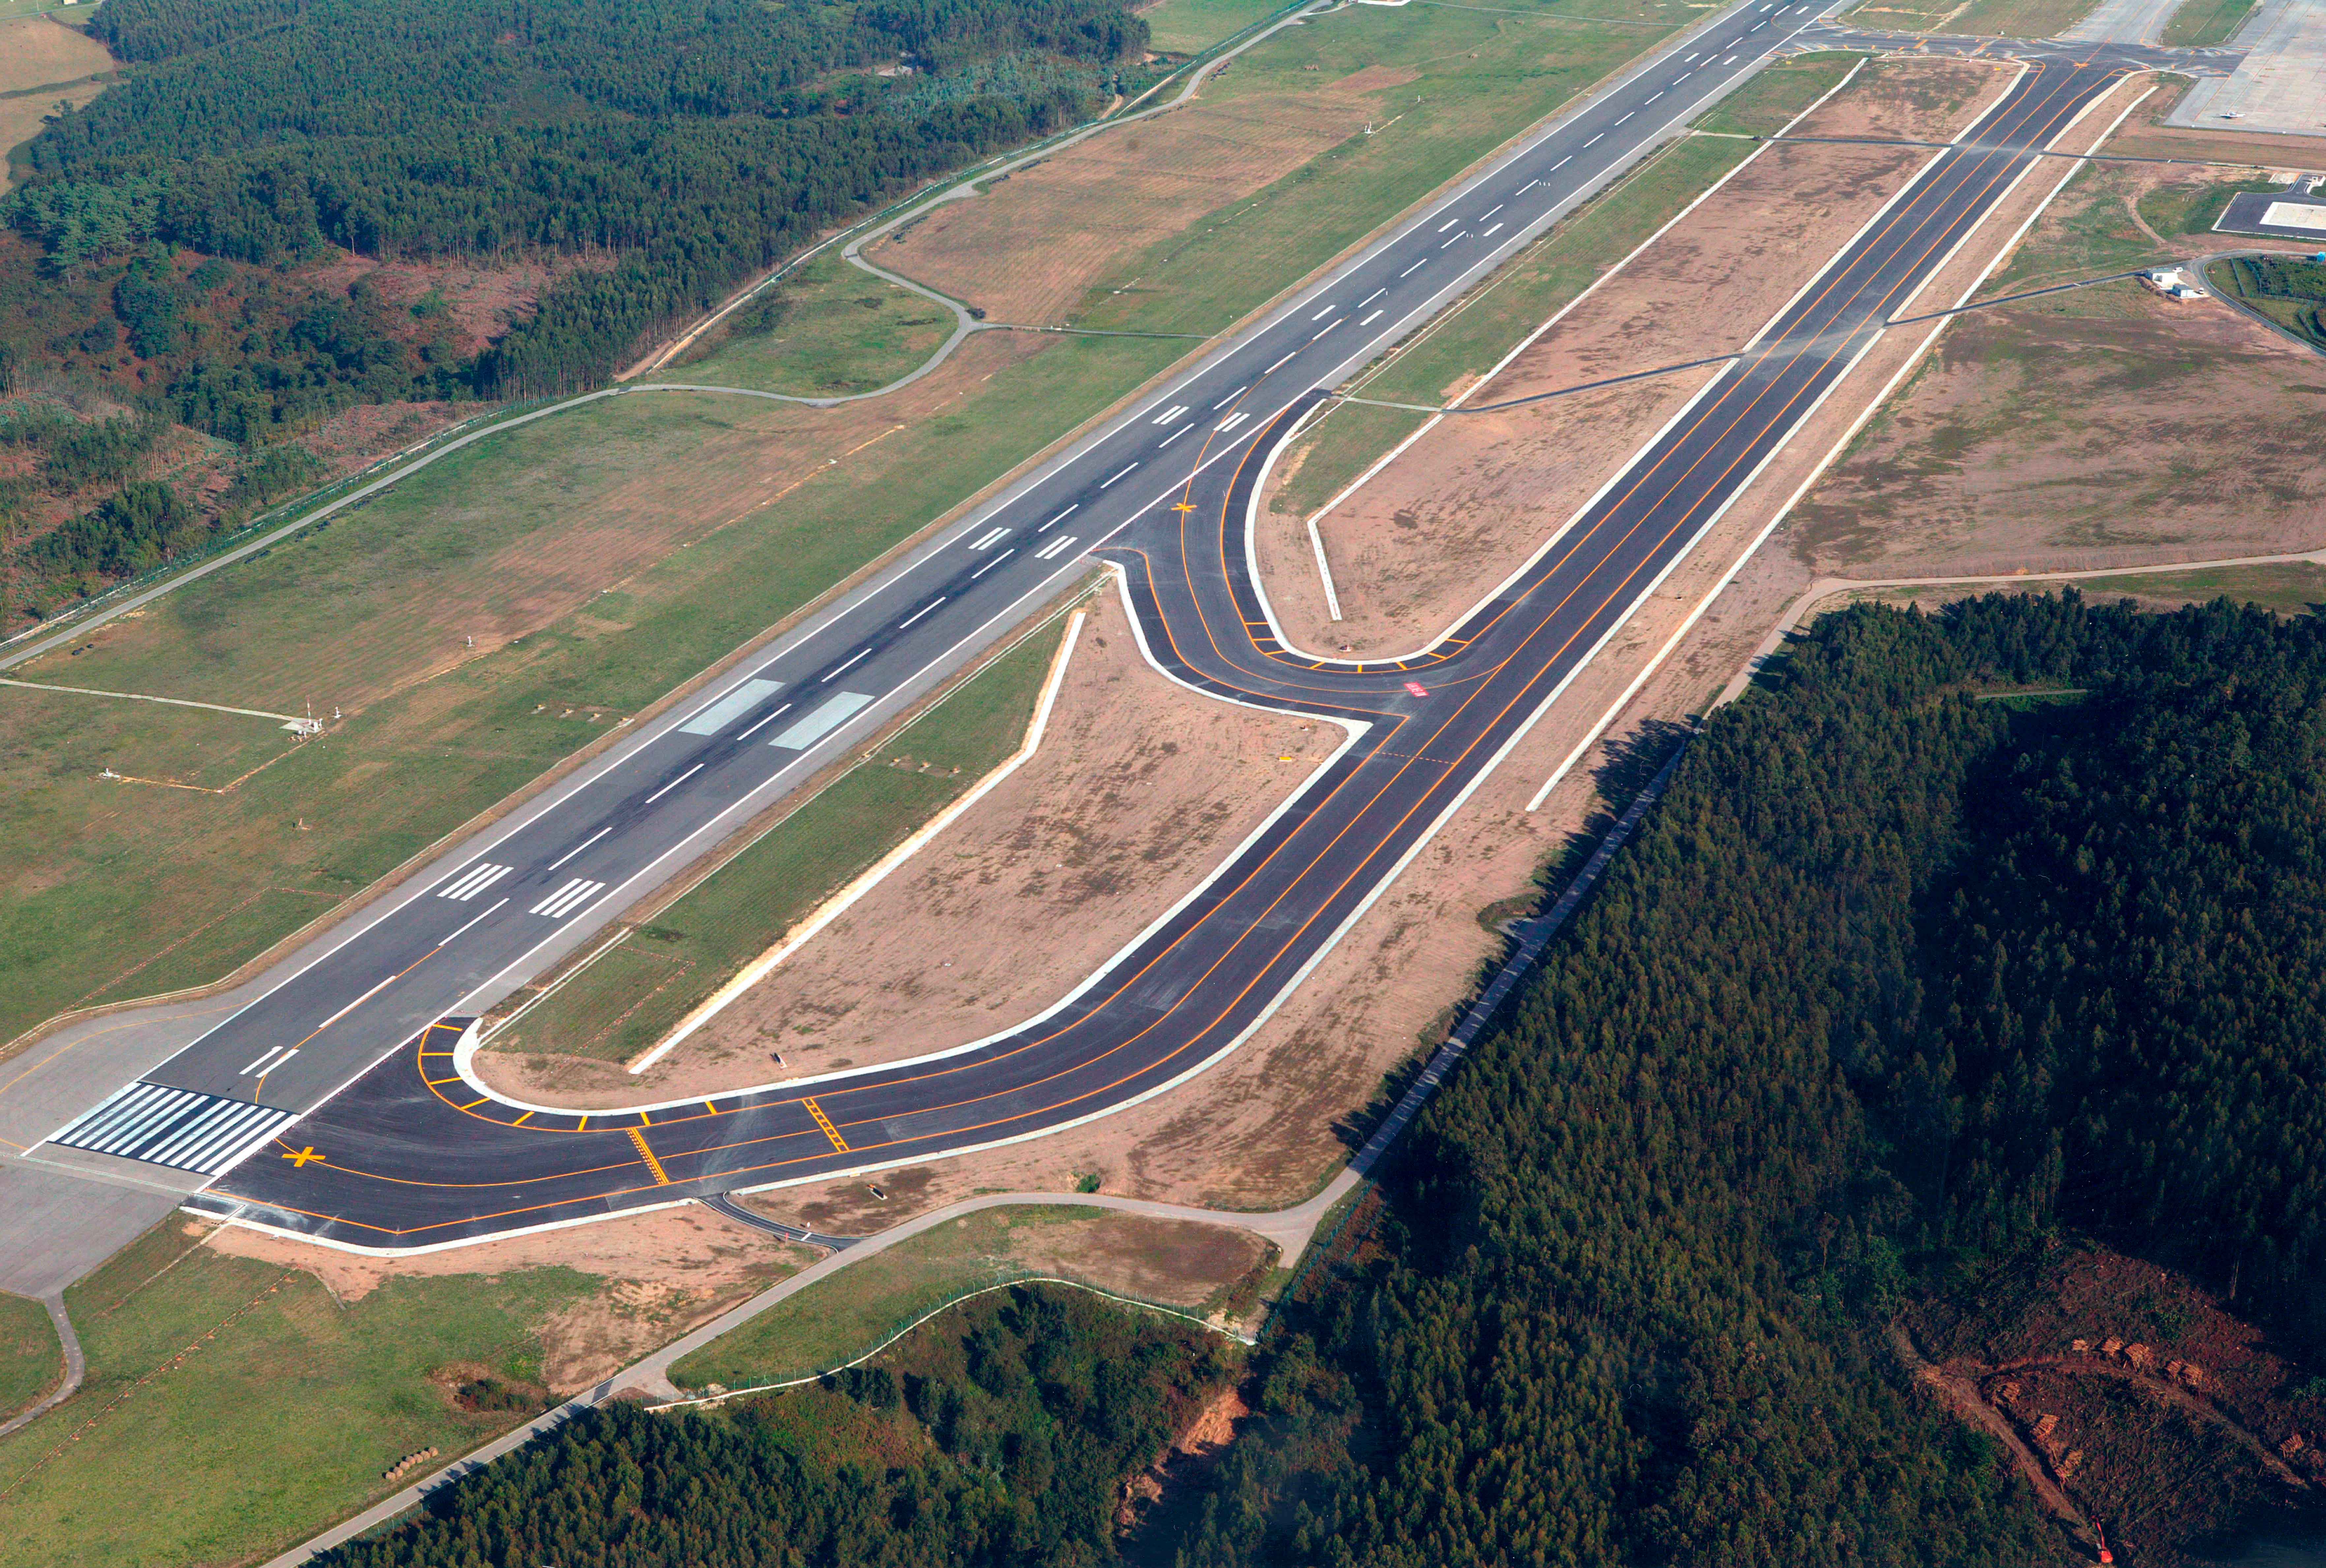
402	1150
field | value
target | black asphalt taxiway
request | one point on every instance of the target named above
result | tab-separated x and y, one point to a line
315	1131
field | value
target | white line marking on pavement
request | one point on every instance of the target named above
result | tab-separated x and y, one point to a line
806	731
350	1008
1222	404
713	717
1601	137
1323	313
1368	299
1173	436
763	723
855	659
255	1066
554	905
1376	316
990	539
681	779
1490	212
1270	370
1061	516
1464	234
1052	548
1532	183
475	882
577	849
925	609
1119	473
1448	224
1562	163
1491	232
998	559
1168	414
1422	262
1230	422
472	920
1336	321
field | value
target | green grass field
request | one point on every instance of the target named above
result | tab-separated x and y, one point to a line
841	1317
1532	287
2020	18
626	1000
232	1406
2294	588
831	330
2201	24
1189	26
31	1359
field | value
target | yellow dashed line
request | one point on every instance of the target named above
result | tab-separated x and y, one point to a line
661	1176
824	1122
523	1119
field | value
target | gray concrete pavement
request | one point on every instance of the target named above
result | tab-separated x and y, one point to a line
2280	84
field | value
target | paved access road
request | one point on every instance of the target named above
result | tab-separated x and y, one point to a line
409	1153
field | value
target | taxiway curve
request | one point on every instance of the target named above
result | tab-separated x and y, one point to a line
412	1154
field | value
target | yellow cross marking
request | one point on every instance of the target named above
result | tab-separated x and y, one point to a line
1185	506
824	1122
298	1160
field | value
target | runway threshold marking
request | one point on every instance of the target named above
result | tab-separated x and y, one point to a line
661	1176
824	1122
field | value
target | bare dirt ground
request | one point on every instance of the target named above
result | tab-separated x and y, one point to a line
1478	494
1140	788
1031	246
37	52
666	1272
2039	440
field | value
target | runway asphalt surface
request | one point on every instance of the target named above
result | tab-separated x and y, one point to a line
401	1150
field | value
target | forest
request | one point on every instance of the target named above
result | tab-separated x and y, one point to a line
999	1436
1966	932
173	241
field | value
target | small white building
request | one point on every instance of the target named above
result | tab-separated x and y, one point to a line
2173	284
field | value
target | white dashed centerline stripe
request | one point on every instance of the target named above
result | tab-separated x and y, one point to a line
1368	299
990	565
351	1006
1422	262
1491	232
577	849
1376	316
1173	436
1448	224
673	784
925	609
1562	163
763	723
1532	183
1054	547
1271	370
1335	321
862	653
1490	212
472	920
1602	134
1069	512
1443	244
1103	484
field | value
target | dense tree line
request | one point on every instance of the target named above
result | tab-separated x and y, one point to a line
1000	1434
2291	290
1895	979
693	140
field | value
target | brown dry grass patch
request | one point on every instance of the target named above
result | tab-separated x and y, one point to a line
1031	247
